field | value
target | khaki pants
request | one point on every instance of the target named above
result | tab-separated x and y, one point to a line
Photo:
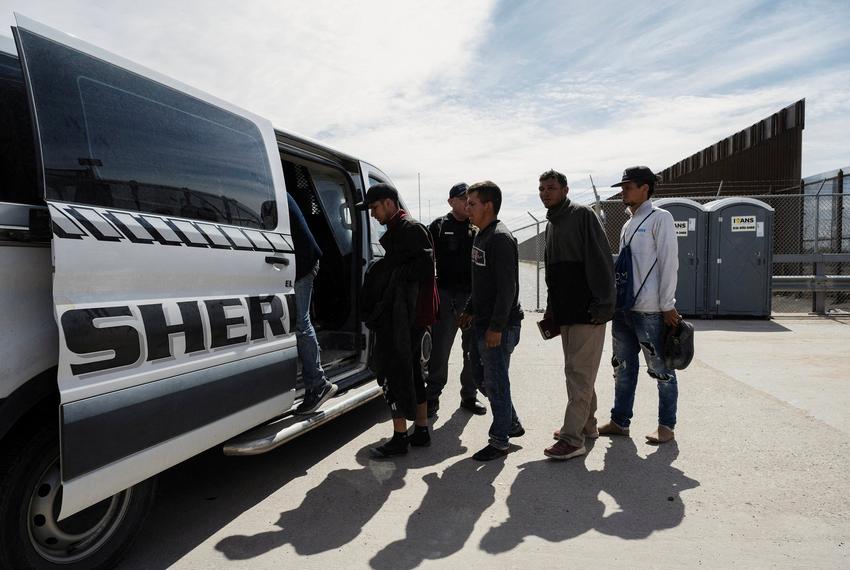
582	353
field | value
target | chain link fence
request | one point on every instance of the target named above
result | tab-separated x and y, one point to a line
811	247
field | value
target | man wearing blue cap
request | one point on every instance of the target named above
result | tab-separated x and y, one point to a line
453	235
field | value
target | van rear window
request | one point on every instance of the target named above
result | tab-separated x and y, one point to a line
113	138
17	147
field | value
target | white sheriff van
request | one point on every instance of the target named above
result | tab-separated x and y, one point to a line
146	289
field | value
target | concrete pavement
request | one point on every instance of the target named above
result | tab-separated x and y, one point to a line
757	478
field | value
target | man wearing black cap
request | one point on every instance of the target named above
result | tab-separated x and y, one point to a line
646	305
406	307
453	235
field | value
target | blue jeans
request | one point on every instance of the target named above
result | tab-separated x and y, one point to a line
305	335
633	333
443	333
495	363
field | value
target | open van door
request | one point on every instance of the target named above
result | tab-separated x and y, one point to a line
371	176
173	264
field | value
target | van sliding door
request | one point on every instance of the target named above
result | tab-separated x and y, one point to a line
173	264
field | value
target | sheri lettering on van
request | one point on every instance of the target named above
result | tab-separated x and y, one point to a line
105	338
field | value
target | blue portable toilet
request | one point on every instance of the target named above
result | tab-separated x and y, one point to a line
690	220
740	255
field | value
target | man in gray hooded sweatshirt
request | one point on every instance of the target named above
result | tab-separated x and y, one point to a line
581	298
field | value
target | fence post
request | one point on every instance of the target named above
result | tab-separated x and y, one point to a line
536	256
839	212
818	297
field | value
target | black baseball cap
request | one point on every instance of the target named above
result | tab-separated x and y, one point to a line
458	189
377	192
637	174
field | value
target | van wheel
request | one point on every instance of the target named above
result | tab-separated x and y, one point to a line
30	497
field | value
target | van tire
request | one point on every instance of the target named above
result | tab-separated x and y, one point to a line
29	477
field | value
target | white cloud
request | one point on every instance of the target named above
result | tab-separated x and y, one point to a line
479	90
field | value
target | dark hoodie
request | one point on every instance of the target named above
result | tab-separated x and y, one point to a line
579	266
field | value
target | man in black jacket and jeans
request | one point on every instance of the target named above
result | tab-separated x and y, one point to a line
494	312
453	235
580	300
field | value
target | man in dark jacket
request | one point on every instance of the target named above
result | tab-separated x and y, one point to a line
580	300
406	308
317	389
453	235
494	312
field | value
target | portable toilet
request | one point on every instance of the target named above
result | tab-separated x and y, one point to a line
690	221
740	256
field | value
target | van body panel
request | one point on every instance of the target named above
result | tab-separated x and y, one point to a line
173	263
25	285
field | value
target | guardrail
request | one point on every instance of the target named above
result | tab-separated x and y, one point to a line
819	284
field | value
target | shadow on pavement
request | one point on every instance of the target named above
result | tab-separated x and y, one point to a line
347	499
211	490
738	325
559	501
445	519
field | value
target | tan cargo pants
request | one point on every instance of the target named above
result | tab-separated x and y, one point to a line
582	352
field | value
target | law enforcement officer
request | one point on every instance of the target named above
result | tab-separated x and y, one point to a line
453	235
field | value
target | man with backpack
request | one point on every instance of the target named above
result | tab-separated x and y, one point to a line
646	275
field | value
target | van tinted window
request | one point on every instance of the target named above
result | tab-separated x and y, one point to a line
17	147
113	138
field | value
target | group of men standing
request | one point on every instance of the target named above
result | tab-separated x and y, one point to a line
475	288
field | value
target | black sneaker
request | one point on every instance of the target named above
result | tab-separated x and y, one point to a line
489	453
314	400
433	406
397	445
516	430
474	406
420	437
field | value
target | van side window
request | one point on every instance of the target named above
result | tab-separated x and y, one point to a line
112	138
18	182
375	228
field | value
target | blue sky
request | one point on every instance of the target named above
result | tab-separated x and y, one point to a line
497	90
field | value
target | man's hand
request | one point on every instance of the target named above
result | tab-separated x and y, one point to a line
492	339
464	321
671	317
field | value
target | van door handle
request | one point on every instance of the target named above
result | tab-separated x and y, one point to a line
281	260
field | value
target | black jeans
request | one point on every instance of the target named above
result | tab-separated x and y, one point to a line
443	334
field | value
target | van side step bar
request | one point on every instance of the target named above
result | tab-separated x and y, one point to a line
272	435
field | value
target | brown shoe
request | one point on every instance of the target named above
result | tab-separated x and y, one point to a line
661	435
563	450
612	428
588	434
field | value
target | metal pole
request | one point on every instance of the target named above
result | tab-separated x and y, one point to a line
719	188
536	256
419	191
818	306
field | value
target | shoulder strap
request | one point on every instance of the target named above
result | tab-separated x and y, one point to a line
637	228
645	278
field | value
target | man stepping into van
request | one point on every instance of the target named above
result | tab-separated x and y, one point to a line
317	389
400	304
646	273
453	235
